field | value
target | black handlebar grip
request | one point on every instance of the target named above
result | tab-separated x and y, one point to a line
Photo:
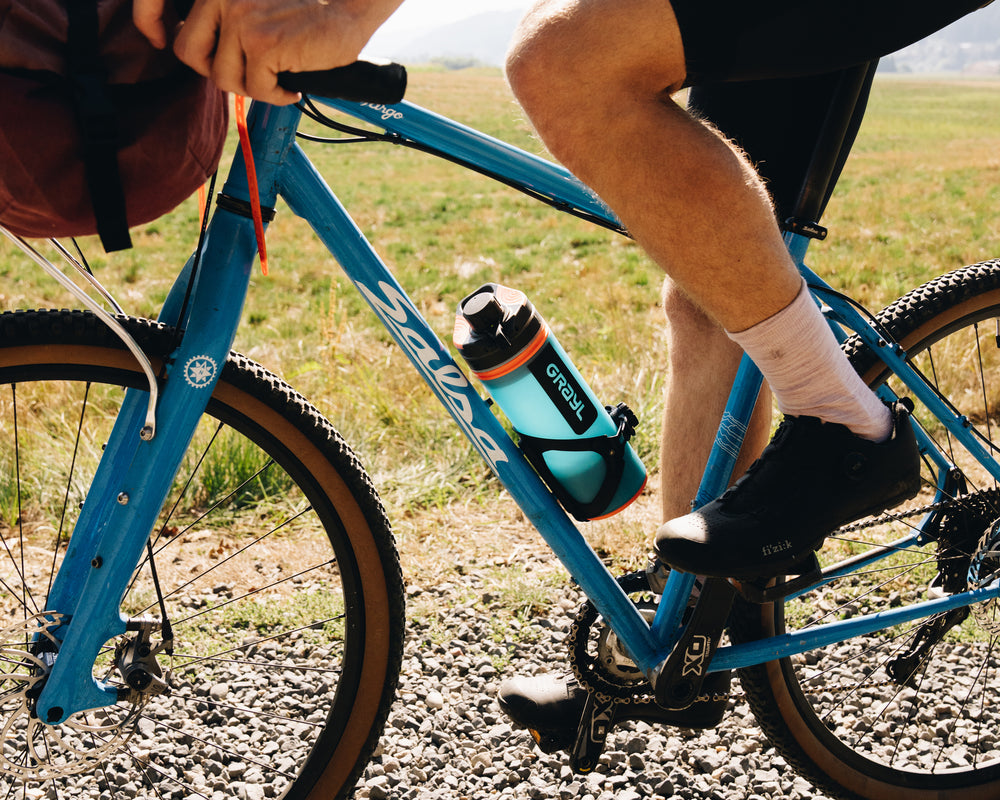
360	82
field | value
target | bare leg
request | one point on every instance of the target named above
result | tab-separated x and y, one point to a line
701	364
594	76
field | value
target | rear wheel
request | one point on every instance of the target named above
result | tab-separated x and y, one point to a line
912	711
276	566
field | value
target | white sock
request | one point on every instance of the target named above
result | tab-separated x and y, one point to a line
809	373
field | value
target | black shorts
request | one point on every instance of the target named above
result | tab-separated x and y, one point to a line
740	40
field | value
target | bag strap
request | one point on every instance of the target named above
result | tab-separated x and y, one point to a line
98	121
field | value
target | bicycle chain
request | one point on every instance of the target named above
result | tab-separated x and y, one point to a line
893	517
590	674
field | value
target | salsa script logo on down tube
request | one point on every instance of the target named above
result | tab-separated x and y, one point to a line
440	369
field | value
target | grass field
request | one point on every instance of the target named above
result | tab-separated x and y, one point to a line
918	197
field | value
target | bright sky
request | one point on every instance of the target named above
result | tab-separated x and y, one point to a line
420	15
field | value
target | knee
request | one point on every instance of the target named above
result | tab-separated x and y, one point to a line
695	341
684	319
580	67
539	60
597	53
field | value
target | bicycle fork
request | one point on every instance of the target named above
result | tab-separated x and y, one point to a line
131	484
135	476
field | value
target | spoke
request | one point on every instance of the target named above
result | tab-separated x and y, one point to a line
950	450
869	650
187	484
191	660
901	570
69	485
25	591
215	506
216	746
255	642
126	749
230	557
962	706
982	384
144	769
253	712
982	702
900	641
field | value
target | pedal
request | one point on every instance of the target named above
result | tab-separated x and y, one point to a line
767	590
678	681
592	735
553	741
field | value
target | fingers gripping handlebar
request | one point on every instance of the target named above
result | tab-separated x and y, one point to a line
362	82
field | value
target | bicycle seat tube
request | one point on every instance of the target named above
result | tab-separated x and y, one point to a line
135	476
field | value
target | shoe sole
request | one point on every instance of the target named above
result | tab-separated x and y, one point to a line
553	740
698	716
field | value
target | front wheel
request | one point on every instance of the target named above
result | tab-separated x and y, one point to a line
276	567
912	711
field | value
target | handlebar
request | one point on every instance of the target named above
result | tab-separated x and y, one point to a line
361	82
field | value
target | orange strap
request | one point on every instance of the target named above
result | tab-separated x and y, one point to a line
258	220
202	204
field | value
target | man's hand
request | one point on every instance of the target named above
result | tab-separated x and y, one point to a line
243	44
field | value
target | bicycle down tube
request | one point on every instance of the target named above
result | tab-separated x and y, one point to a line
308	196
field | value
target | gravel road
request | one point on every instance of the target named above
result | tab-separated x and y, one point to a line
447	738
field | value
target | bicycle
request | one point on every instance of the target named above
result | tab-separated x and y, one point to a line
124	671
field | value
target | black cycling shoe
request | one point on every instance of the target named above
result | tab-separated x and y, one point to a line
812	478
550	707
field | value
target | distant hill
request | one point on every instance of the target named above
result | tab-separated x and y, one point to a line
482	38
970	45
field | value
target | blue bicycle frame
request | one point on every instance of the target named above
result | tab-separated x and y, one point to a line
135	475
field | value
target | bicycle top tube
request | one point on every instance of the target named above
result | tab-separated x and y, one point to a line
483	153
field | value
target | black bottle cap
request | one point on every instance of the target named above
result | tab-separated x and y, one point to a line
493	325
483	312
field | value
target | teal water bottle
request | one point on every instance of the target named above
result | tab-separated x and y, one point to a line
579	447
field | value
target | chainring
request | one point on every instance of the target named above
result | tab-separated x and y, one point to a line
597	660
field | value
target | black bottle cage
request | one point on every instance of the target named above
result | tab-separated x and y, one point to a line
610	448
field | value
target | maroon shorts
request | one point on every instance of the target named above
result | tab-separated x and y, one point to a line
740	40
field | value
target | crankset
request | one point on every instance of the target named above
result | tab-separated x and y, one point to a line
617	691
